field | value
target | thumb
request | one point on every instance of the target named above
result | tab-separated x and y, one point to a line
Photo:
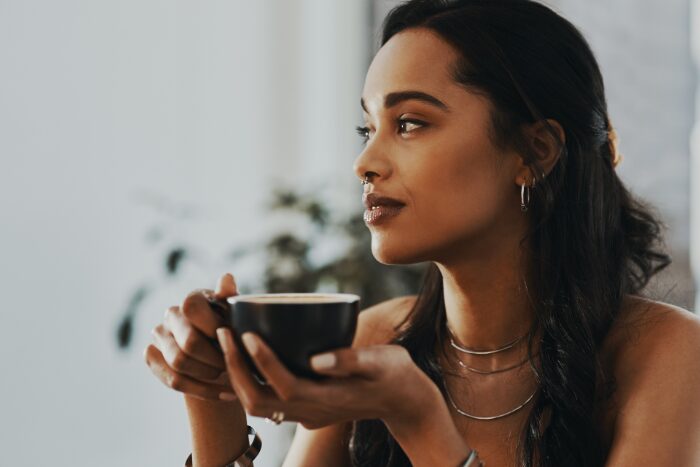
225	287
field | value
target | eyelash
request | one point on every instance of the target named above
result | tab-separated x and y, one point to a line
363	131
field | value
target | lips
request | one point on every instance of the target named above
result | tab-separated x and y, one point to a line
374	200
380	209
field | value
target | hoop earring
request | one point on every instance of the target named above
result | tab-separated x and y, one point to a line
525	195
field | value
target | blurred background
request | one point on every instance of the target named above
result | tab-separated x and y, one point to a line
149	146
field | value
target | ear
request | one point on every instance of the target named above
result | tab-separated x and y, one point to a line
545	146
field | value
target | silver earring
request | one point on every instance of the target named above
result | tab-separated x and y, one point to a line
525	196
365	181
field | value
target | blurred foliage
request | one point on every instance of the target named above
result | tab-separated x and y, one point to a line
126	325
173	260
288	267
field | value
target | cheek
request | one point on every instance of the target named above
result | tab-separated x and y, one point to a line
459	205
464	190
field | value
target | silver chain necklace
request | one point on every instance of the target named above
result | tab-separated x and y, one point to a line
481	352
490	372
475	417
484	352
463	365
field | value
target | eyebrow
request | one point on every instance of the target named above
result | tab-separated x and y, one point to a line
395	98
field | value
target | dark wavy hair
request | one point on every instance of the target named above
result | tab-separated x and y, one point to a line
591	242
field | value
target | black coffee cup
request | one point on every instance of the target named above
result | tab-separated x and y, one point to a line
295	326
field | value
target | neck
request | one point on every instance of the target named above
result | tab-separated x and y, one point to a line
487	305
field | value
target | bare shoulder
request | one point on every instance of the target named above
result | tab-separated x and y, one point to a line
651	329
654	353
379	324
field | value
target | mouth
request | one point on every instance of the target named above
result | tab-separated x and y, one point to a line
379	209
373	200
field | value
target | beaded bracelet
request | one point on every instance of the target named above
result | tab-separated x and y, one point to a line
245	459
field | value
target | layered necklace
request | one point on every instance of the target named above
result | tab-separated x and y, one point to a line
481	352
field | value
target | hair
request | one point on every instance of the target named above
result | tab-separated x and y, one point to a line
591	242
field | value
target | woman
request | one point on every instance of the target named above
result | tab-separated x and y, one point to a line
490	154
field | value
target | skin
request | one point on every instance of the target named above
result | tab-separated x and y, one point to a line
462	209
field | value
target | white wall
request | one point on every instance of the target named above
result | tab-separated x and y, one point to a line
113	116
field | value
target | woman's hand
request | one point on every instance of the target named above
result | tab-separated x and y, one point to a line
182	355
377	382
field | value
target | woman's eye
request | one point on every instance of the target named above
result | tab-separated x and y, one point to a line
364	132
406	125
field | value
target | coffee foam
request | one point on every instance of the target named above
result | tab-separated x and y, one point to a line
295	298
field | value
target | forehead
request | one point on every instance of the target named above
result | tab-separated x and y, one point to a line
415	59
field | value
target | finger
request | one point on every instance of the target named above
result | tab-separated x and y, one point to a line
285	385
182	383
226	287
223	380
197	309
367	362
256	399
191	340
179	360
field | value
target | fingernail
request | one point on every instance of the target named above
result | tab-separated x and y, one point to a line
250	343
223	280
227	396
224	339
325	361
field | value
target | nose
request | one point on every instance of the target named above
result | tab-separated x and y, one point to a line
372	163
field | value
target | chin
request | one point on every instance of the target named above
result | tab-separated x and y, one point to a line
395	253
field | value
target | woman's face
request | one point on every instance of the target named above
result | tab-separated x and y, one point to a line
434	155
